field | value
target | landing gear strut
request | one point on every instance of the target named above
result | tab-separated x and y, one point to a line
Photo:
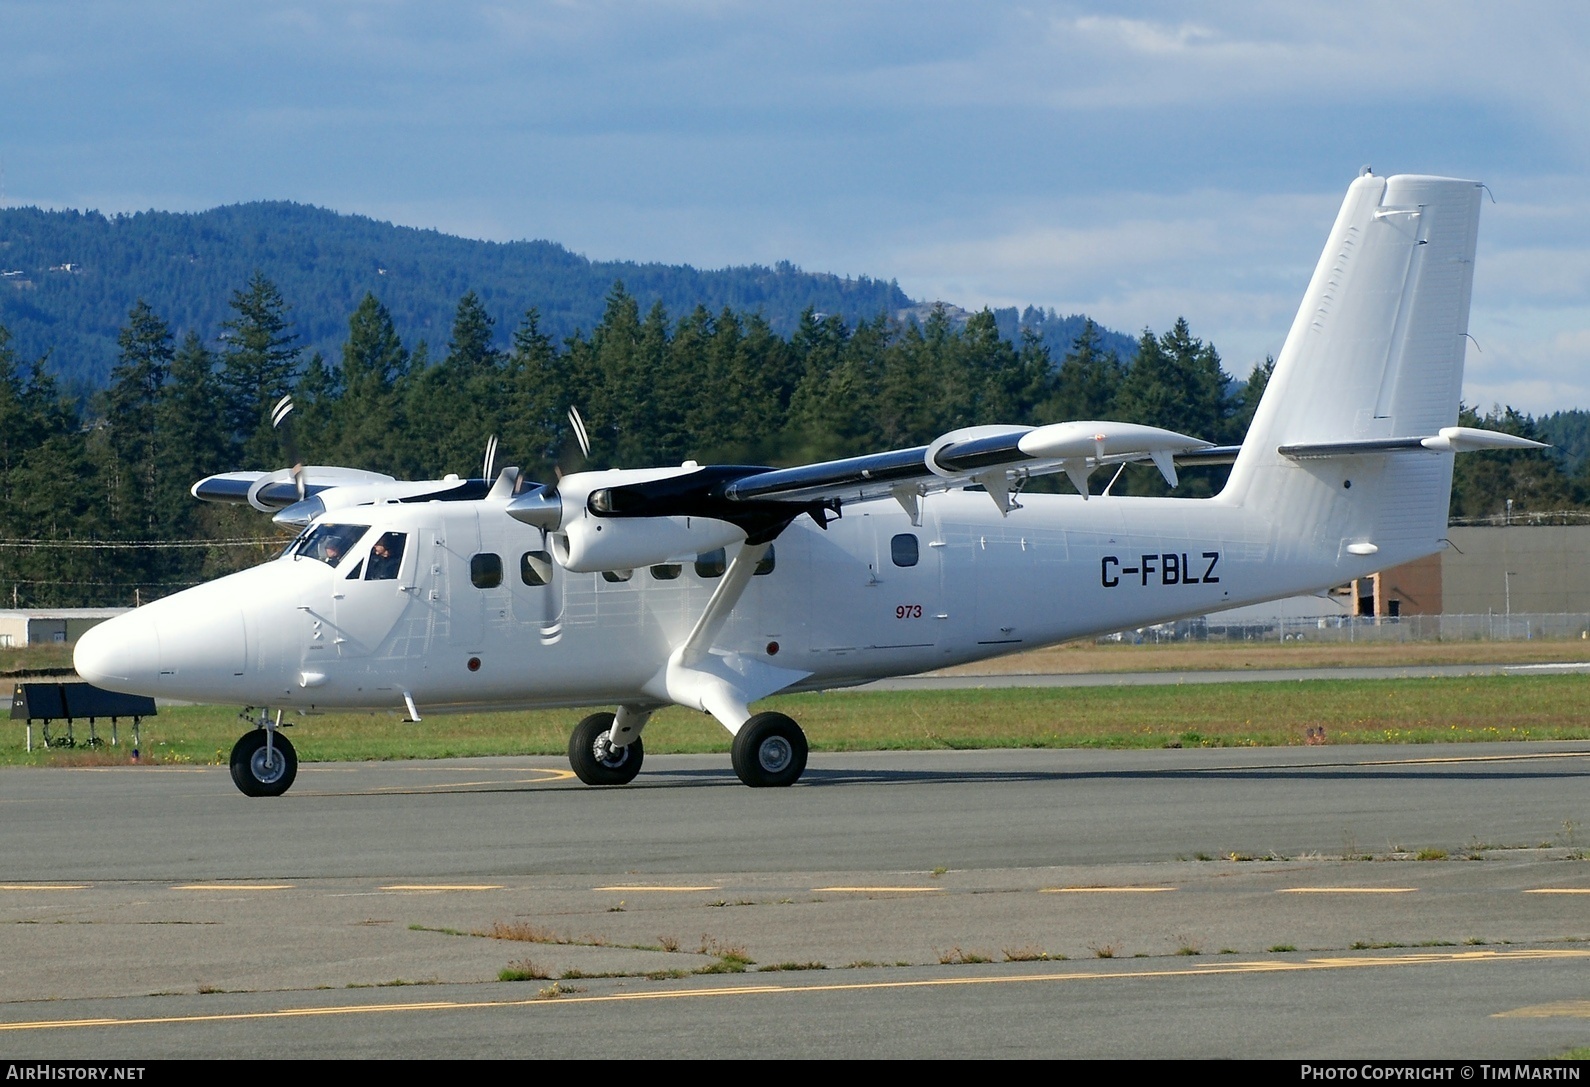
594	758
769	751
264	762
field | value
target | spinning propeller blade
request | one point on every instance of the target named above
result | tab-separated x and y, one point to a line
580	434
280	421
491	458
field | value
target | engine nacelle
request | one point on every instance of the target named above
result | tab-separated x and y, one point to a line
590	543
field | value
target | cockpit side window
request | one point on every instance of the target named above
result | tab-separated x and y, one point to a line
329	544
386	555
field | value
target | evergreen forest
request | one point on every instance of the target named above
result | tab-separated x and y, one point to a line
95	508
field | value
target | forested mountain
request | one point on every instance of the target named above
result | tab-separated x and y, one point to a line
69	278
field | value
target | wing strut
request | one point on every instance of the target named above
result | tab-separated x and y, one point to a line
722	684
724	597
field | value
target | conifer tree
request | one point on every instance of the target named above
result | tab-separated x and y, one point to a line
538	399
259	366
472	347
1087	381
132	427
365	421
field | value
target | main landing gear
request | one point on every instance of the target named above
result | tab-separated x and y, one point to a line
263	761
769	751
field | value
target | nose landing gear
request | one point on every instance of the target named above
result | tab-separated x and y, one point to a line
263	761
594	758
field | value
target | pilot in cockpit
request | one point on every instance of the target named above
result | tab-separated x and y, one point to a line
385	557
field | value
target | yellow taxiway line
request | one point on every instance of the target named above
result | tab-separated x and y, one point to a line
1561	1009
233	887
638	888
1260	967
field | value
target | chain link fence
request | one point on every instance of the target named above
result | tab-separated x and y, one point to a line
1340	628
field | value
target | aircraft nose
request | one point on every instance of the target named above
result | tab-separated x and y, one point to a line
120	654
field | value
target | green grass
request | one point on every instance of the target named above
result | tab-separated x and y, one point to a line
1468	708
24	659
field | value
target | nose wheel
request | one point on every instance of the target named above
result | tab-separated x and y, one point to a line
769	751
264	769
594	758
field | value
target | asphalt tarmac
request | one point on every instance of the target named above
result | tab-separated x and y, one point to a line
1348	902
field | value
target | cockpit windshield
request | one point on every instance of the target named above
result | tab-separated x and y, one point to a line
329	543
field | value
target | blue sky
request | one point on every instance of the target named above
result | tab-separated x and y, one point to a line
1136	162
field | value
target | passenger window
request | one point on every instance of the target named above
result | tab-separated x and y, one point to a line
667	571
485	570
535	568
711	564
617	577
765	565
386	555
902	549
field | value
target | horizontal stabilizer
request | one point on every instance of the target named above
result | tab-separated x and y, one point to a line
1450	439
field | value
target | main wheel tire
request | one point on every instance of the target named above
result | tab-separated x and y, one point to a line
769	751
254	773
595	760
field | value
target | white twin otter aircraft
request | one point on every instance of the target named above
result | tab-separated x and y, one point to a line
714	587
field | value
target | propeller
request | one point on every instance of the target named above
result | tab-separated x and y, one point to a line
580	433
549	507
491	458
279	421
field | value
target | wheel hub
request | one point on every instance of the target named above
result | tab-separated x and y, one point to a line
607	754
267	766
775	754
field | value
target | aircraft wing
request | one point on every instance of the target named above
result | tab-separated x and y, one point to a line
999	458
296	500
761	502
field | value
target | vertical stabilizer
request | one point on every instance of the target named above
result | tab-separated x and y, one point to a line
1376	352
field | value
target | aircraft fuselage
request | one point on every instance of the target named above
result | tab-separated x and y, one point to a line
475	616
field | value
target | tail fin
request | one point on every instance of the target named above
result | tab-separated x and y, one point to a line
1375	354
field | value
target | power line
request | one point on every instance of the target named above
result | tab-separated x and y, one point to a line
142	545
